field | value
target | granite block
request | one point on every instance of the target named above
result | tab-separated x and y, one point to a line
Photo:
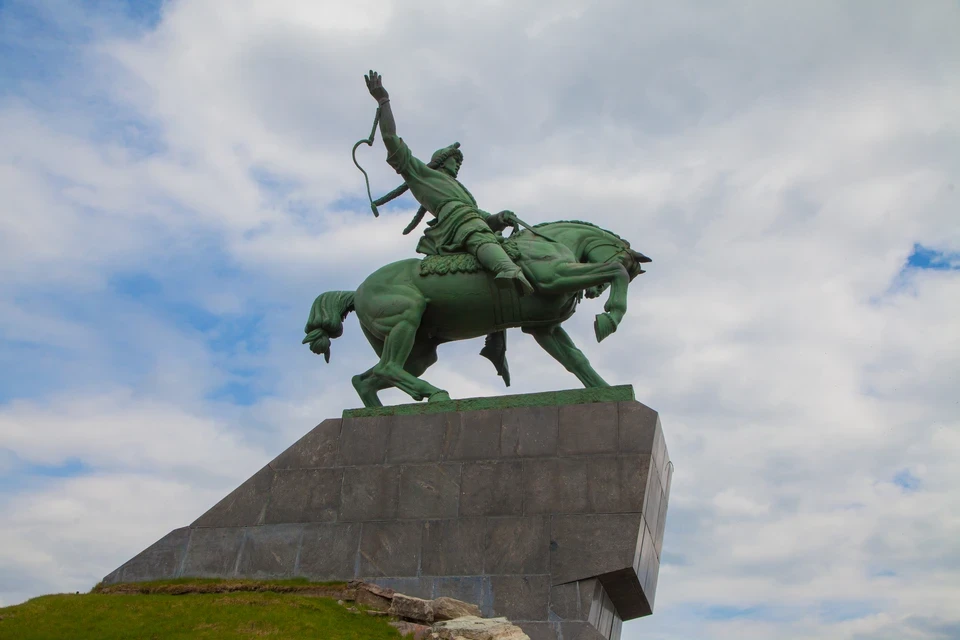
212	552
580	631
270	551
651	502
429	490
317	449
491	489
414	587
364	440
650	582
607	613
521	597
304	495
591	593
516	545
329	551
541	630
596	484
417	438
584	546
370	493
624	590
529	432
638	426
588	429
245	505
390	549
475	436
472	589
662	521
565	601
453	547
159	561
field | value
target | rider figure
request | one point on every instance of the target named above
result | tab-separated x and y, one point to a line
458	225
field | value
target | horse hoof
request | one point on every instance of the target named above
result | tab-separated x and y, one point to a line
439	396
603	326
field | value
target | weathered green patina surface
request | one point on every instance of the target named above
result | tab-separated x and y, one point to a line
474	282
621	393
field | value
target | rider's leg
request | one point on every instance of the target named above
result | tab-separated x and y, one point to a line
494	259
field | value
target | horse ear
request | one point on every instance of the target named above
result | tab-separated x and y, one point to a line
639	257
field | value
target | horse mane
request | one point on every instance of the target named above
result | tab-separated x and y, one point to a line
581	222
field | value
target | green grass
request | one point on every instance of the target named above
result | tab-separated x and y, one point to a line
221	615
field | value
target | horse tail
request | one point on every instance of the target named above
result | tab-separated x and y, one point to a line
326	320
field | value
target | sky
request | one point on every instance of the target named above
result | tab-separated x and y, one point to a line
177	189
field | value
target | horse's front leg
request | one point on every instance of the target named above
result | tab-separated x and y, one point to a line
558	344
571	277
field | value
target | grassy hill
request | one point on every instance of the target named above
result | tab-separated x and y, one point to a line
189	609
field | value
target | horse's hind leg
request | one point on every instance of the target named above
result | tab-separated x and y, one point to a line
368	384
558	344
400	328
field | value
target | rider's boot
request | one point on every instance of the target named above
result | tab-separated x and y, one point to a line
492	256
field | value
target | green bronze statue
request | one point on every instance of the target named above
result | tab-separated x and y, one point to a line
474	281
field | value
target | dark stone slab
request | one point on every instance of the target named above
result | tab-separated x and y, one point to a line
607	614
159	561
529	432
390	549
638	426
414	587
588	429
213	553
364	440
370	493
491	489
516	545
650	581
584	546
596	484
623	588
565	601
429	490
417	438
329	551
270	551
662	521
472	589
580	631
304	495
317	449
541	630
524	597
591	594
453	547
651	502
475	436
245	505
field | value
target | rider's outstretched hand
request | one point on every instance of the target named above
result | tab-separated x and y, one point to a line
375	86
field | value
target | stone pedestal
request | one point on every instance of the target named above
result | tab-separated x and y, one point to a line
548	509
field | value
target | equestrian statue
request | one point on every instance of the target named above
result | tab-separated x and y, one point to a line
474	281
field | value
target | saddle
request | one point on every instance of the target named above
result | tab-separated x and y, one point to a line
452	263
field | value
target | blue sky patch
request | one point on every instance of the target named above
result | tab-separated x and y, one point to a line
906	481
925	258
